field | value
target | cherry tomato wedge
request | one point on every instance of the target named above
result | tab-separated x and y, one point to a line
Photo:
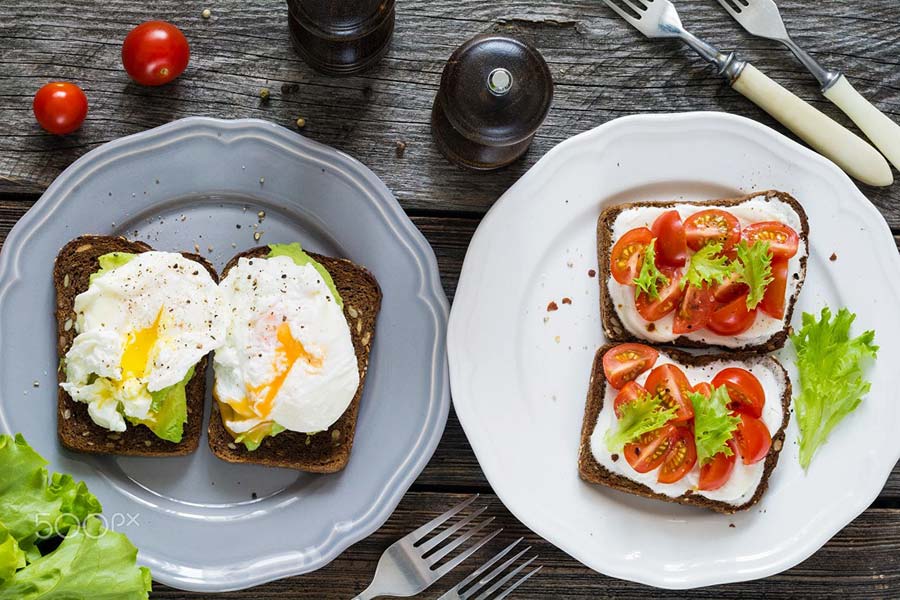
681	457
650	450
672	384
626	362
669	296
704	388
155	52
753	439
773	301
744	390
694	310
716	472
628	254
630	392
730	289
671	243
783	240
712	225
60	107
732	318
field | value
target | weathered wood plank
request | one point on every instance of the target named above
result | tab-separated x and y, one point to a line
860	562
602	68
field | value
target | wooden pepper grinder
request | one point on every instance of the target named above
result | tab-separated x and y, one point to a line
341	37
495	92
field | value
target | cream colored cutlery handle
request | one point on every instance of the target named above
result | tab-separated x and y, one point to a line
850	152
883	132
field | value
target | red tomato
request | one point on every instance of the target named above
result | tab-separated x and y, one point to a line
716	472
693	312
155	53
783	240
626	362
712	225
744	390
672	384
773	301
628	254
680	458
60	107
668	299
671	244
703	388
732	318
649	451
629	393
730	289
753	439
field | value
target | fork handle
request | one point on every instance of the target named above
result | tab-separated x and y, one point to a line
850	152
879	128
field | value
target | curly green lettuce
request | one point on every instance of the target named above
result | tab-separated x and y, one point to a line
12	558
754	267
650	278
832	384
714	425
640	416
707	267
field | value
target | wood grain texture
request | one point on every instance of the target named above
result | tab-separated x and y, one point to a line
602	68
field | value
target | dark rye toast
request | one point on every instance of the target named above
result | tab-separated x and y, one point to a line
327	451
613	327
76	430
593	472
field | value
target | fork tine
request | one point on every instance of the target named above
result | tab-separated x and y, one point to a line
510	589
621	12
435	522
637	6
505	579
486	566
484	581
436	540
460	539
729	8
466	554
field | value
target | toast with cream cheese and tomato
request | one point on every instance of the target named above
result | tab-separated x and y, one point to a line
718	273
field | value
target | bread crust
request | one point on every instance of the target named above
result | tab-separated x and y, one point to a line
72	269
615	330
593	472
327	451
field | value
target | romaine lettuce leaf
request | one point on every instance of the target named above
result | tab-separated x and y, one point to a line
638	417
296	253
713	424
168	411
111	261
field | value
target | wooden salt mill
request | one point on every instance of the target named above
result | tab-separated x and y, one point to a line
495	92
341	37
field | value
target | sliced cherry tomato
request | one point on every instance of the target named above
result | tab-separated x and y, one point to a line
669	296
681	457
753	439
783	240
704	388
60	107
630	392
628	254
712	225
672	384
626	362
746	393
773	301
693	312
732	318
730	289
671	243
155	53
650	450
716	472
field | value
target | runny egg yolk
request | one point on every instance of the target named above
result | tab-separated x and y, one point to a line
138	347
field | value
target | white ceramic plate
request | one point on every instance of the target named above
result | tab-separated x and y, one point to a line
519	383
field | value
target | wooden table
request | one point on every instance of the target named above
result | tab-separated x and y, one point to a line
602	70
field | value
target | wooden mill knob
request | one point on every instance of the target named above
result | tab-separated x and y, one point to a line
495	92
341	37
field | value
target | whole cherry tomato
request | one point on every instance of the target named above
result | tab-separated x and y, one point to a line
155	53
60	107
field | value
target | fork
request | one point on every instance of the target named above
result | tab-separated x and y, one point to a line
468	587
762	19
409	565
659	19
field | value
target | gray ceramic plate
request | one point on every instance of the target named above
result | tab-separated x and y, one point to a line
202	524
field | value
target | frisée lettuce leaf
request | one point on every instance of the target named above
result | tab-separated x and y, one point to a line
714	424
640	416
754	267
650	278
